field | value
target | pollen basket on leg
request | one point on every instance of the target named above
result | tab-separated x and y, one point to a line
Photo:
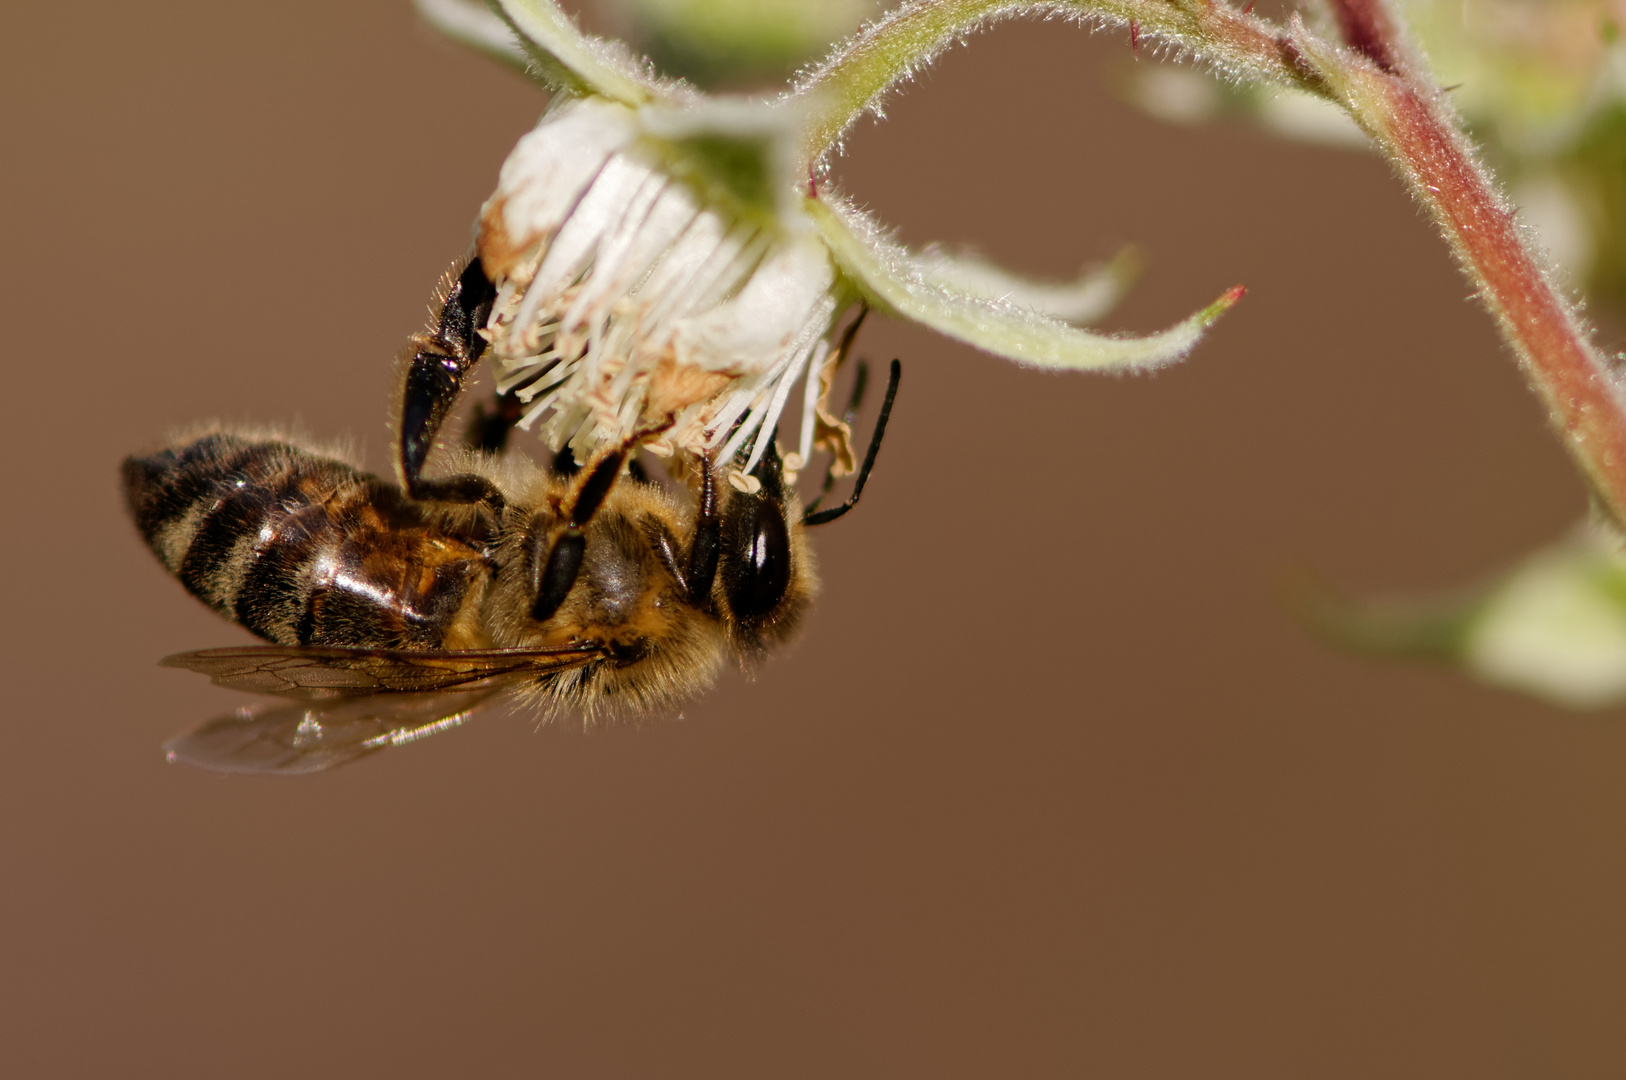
632	303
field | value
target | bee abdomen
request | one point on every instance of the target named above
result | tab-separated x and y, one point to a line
300	549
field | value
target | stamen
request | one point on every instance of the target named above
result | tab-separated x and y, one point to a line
639	275
810	402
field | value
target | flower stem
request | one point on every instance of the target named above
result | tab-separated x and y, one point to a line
855	77
1380	79
1386	91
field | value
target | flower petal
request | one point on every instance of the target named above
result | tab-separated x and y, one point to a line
893	278
545	175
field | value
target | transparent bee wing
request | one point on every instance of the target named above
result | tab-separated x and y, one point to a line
319	672
276	738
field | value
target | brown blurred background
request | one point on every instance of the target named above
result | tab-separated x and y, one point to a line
1096	807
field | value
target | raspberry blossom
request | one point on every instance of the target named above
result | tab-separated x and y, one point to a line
669	267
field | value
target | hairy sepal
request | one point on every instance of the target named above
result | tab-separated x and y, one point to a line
896	280
1088	298
566	59
859	73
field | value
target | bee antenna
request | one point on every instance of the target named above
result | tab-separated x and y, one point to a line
824	517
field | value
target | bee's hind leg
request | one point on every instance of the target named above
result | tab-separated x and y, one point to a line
433	381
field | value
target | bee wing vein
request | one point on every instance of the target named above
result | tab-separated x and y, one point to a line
326	672
275	737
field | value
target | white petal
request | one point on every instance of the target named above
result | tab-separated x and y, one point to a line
552	165
767	316
705	252
577	244
617	242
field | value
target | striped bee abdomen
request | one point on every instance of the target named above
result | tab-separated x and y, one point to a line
300	549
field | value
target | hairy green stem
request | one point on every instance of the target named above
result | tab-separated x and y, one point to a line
1384	88
567	59
887	51
1379	78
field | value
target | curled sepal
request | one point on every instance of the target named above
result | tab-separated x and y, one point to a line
473	25
1084	300
895	279
1553	626
566	59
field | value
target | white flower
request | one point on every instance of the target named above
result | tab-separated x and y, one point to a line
667	268
630	301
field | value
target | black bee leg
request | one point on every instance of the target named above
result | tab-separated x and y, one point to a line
822	517
703	549
434	380
854	400
488	430
564	463
556	574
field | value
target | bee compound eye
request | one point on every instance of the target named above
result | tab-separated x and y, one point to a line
758	570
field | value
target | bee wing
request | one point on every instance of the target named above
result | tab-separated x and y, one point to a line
326	672
282	738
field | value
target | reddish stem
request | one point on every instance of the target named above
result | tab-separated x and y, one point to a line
1560	362
1368	27
1563	367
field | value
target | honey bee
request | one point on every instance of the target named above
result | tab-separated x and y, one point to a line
392	611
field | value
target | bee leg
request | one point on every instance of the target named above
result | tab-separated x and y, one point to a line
556	574
823	517
703	548
434	380
564	463
854	401
488	431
